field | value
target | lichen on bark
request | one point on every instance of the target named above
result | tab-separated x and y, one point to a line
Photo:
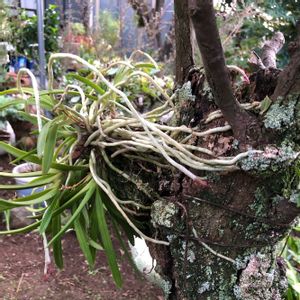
261	280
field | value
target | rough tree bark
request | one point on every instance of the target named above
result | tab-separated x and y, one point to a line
224	232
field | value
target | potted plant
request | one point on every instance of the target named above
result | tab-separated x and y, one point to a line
24	35
25	168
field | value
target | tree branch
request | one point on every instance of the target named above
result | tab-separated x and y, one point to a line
270	49
142	10
289	80
203	18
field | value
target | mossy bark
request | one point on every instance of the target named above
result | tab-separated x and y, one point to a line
241	217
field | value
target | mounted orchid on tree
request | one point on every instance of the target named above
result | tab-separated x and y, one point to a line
206	187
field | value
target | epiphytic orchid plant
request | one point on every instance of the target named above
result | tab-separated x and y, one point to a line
81	141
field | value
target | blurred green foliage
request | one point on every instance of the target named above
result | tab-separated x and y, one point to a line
5	29
11	111
105	40
249	23
25	33
109	27
77	28
292	259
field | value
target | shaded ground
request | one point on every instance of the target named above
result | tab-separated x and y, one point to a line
22	263
21	274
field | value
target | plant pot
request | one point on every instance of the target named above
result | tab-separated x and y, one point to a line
26	168
19	216
7	134
11	79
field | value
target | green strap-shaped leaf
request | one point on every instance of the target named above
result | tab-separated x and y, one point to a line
88	82
37	211
34	159
25	229
83	239
86	217
16	160
118	218
21	175
72	197
121	74
11	103
145	65
48	215
66	167
31	118
52	209
66	144
95	245
123	245
57	246
46	136
42	139
16	91
49	148
40	181
9	204
19	153
94	229
106	240
45	102
34	195
61	91
84	201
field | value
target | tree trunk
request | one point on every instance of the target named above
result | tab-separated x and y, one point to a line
224	236
184	49
159	5
121	5
86	7
224	230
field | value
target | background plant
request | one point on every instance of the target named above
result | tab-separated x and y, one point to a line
244	25
109	27
5	29
291	255
25	37
12	111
